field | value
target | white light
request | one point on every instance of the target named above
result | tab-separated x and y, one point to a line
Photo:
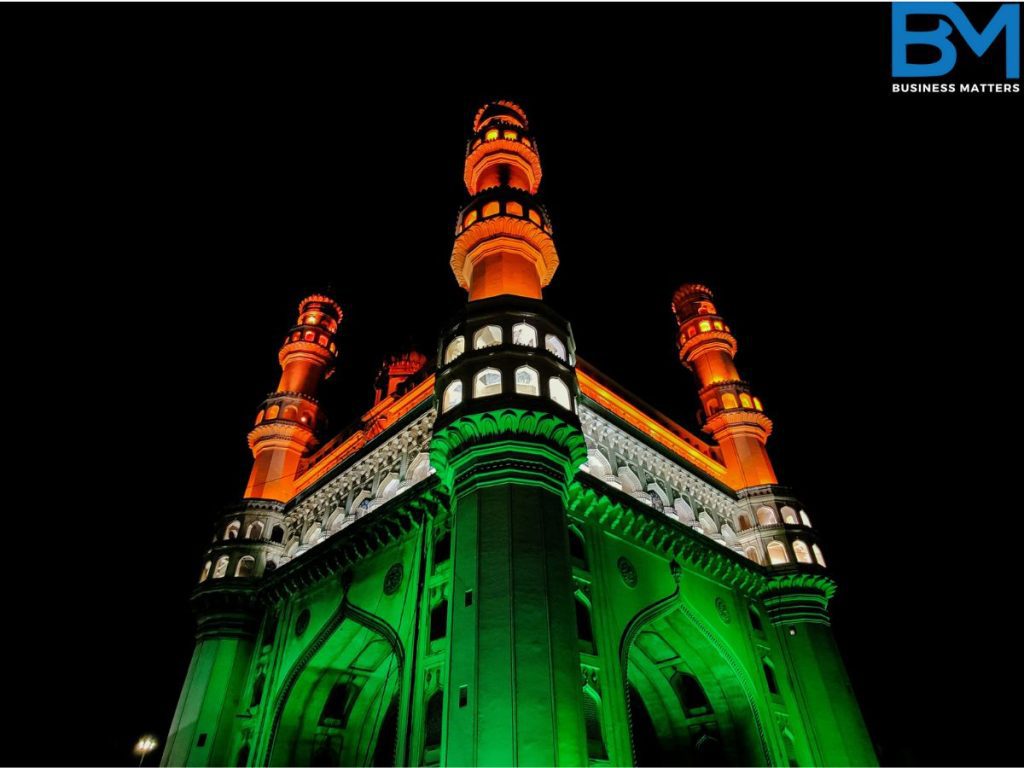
145	745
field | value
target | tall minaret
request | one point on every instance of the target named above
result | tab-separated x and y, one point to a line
734	416
507	442
288	419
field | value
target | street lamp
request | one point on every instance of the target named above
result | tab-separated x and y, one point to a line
144	746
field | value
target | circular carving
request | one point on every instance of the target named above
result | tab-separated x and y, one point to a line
393	579
627	571
302	623
723	610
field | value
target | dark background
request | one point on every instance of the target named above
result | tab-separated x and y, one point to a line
183	176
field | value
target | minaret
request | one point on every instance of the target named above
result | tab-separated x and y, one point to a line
288	420
734	416
507	443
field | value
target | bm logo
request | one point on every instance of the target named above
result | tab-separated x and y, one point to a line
1006	20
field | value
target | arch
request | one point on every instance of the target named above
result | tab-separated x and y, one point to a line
488	336
766	516
206	572
524	335
729	401
388	487
246	567
272	412
789	516
386	748
454	349
527	381
753	554
660	493
707	523
277	534
584	626
596	749
630	482
713	406
769	676
802	552
728	534
597	463
805	519
684	510
439	621
777	554
220	570
290	412
255	530
443	548
560	392
818	555
432	726
487	382
745	400
231	532
743	522
312	534
419	468
452	396
554	345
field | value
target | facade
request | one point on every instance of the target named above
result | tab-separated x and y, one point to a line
508	560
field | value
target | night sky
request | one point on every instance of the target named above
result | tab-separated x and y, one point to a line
186	175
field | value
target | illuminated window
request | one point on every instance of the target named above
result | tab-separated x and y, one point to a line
487	383
757	404
777	553
259	417
221	569
559	392
705	325
818	556
296	336
753	554
535	217
206	572
554	345
728	400
766	516
527	381
272	412
488	336
743	522
331	325
691	332
231	532
333	348
308	336
718	325
455	348
789	516
492	208
805	519
310	319
513	208
254	531
510	135
745	401
802	553
491	135
246	567
322	340
452	396
469	218
524	335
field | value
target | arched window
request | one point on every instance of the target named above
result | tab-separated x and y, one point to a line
272	412
220	570
728	401
206	572
439	621
246	567
744	523
769	676
524	334
231	532
684	510
270	566
254	531
277	534
755	620
705	326
777	553
492	208
488	336
259	417
753	554
818	556
308	336
435	716
801	552
766	516
443	548
559	392
336	708
805	519
745	400
452	396
596	749
491	135
577	550
690	694
757	404
713	406
554	345
789	516
257	690
584	626
527	381
487	383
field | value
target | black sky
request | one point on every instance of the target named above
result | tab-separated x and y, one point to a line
184	175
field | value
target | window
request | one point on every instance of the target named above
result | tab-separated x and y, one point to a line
277	534
443	548
310	319
818	556
439	621
221	569
584	627
805	519
206	572
259	417
246	567
769	676
705	325
491	135
729	401
487	383
524	334
527	381
513	208
753	554
455	348
755	620
469	218
272	412
231	532
577	551
690	694
308	336
435	716
492	208
789	516
254	531
757	404
777	553
510	135
744	523
559	392
554	345
488	336
766	516
802	553
452	396
718	325
745	400
534	217
335	711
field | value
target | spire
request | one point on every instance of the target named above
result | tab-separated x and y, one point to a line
503	242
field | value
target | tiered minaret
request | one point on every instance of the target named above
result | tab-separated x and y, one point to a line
734	416
507	443
290	417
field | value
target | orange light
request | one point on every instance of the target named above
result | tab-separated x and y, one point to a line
491	209
511	135
469	218
513	208
757	404
310	319
491	135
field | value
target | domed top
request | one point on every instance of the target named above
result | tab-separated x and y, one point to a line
693	299
505	111
321	302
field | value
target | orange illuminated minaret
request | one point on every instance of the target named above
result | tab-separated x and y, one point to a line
734	415
503	237
287	422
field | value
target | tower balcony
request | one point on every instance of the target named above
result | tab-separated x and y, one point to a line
502	147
